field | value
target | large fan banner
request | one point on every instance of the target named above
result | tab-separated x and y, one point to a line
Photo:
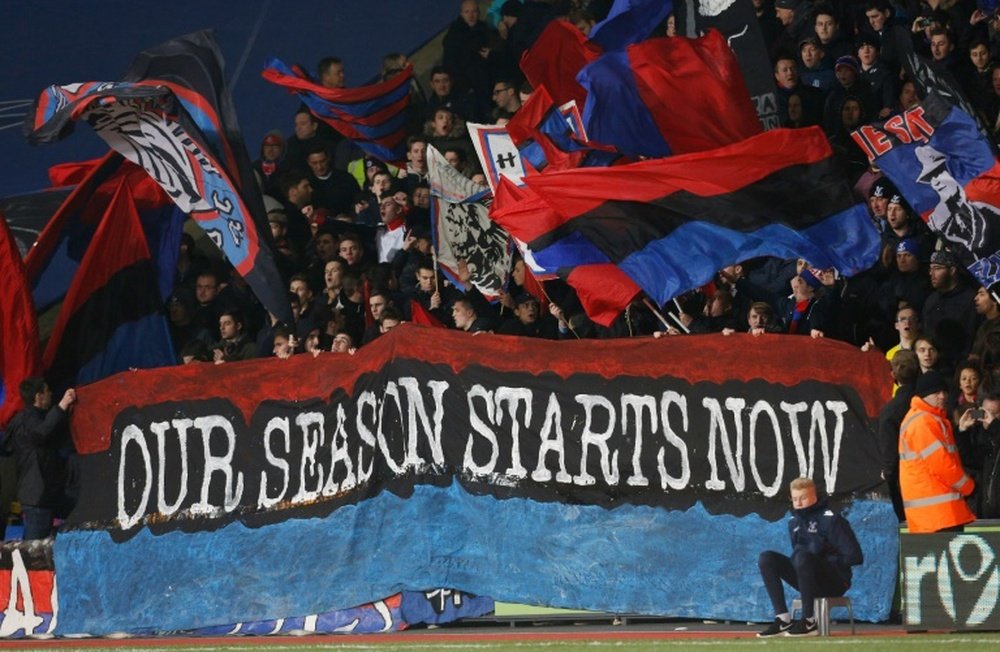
591	475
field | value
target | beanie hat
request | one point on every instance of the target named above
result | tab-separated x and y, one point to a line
847	60
909	246
943	257
930	382
882	188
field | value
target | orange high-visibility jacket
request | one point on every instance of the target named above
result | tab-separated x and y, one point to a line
931	478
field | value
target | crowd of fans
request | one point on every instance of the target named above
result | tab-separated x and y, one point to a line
354	234
354	244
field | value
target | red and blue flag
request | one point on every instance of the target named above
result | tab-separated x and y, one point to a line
670	224
18	327
945	168
374	117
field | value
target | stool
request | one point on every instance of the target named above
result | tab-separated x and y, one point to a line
822	608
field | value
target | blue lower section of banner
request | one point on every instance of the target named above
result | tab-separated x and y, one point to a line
693	253
631	559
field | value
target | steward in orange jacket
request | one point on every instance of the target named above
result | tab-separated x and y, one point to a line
931	478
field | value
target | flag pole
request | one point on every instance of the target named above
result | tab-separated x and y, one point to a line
434	258
659	315
549	299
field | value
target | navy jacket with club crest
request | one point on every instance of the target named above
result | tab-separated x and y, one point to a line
821	531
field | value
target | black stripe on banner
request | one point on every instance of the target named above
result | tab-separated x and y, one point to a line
798	196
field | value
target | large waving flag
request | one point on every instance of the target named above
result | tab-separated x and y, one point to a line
112	318
173	116
945	168
670	224
462	228
53	261
603	289
668	95
18	328
373	116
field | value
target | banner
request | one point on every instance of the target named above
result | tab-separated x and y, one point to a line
593	475
27	589
29	605
951	581
462	230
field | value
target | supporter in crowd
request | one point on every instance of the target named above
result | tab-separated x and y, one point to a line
39	440
474	54
967	381
988	333
506	99
949	313
332	189
828	31
233	344
817	71
928	354
905	371
270	164
788	83
876	75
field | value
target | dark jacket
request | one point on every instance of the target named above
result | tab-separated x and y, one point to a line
36	437
820	531
889	421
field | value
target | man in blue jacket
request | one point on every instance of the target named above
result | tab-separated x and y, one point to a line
824	549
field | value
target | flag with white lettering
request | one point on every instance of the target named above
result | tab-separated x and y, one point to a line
945	168
509	467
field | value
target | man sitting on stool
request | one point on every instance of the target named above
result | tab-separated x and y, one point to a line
823	550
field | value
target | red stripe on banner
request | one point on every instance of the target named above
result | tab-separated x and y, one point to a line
696	358
521	212
707	174
40	583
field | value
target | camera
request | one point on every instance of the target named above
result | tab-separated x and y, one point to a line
977	413
925	22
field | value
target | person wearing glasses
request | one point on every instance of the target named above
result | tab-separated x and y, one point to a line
506	99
